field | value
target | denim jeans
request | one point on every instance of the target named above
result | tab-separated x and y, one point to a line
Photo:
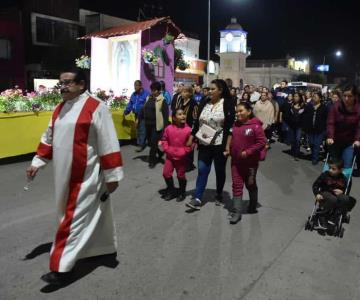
294	138
344	152
141	134
285	133
315	141
208	154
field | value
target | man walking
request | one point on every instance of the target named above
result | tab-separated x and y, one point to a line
82	142
135	105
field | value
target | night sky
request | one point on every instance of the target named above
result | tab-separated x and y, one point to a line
304	29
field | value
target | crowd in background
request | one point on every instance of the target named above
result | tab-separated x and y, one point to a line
260	116
297	117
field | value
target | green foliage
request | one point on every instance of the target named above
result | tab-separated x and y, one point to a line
179	62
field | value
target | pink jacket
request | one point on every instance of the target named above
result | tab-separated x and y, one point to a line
174	141
247	137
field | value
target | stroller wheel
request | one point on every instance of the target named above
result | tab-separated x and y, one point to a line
307	225
312	224
347	219
341	233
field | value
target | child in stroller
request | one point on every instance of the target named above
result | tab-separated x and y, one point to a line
331	190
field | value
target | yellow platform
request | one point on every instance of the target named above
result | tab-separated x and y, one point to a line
20	132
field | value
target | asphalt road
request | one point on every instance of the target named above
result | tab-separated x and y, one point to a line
166	253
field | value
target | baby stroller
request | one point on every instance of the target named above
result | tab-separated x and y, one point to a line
336	218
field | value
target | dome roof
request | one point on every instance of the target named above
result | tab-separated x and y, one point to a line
234	25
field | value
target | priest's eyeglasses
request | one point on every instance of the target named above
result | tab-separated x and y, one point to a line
66	82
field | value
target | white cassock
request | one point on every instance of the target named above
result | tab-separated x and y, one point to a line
81	140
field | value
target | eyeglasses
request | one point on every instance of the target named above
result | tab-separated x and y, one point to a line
66	82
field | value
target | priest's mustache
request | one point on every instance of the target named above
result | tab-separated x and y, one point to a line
63	91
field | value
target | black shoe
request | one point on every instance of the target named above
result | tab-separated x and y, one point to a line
152	165
252	211
171	194
182	192
163	192
140	149
57	278
194	204
219	200
253	202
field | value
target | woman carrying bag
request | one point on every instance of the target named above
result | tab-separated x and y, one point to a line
211	129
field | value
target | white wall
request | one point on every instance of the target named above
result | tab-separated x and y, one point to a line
269	76
189	46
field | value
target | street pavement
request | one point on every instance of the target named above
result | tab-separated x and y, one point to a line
165	252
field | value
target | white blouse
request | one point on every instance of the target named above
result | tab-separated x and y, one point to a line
213	116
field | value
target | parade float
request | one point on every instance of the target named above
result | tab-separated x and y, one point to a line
119	56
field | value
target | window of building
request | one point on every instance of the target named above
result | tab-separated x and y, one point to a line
5	48
51	31
159	69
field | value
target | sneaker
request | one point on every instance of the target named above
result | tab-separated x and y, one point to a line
194	203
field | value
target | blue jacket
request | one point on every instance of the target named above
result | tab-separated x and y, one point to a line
198	97
281	95
167	97
136	102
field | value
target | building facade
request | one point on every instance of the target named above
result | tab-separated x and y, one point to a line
234	63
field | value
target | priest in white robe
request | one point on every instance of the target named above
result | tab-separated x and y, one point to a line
82	143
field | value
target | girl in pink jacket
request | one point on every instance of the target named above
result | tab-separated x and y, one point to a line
246	146
176	143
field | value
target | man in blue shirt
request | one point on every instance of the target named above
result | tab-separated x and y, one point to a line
198	95
135	105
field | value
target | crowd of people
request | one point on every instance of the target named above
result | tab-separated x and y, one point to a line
242	123
220	121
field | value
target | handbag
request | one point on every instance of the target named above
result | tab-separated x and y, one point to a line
207	135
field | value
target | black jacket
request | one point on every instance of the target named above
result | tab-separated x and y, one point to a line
326	183
229	112
190	109
314	120
292	117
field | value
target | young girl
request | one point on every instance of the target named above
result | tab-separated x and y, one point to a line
245	146
292	116
314	125
176	143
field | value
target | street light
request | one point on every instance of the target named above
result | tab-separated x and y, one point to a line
208	46
338	53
